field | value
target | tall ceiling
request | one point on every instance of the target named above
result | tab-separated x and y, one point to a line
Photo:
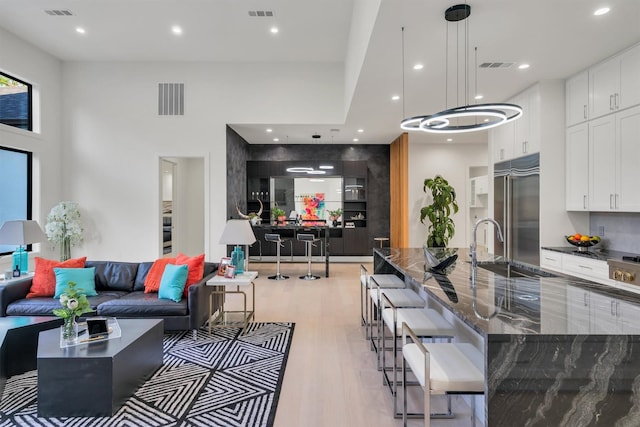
556	37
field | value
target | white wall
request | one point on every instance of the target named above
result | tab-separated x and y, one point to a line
452	161
113	138
27	63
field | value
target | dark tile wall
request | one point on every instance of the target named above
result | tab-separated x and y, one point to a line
237	156
377	157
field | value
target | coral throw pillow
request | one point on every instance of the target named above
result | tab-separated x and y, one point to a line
43	283
154	276
196	269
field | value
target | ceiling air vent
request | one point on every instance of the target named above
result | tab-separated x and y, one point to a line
261	13
58	12
496	65
171	99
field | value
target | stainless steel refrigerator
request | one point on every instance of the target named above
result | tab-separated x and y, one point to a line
516	203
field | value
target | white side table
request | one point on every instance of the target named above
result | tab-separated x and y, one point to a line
232	286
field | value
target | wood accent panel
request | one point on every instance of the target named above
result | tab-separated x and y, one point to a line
399	189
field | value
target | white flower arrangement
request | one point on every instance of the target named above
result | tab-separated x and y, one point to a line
64	227
63	222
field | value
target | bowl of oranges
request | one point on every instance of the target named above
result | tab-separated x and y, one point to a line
582	241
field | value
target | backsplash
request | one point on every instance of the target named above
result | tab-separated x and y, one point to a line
621	230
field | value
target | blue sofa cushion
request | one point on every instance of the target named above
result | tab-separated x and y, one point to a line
119	276
139	304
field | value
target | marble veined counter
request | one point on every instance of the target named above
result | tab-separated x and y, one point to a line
559	351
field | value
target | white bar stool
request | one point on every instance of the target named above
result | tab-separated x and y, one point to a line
274	237
441	368
401	298
382	281
309	240
426	323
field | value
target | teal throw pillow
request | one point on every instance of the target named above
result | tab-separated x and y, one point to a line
173	280
85	279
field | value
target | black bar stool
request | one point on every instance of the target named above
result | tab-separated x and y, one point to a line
309	240
273	237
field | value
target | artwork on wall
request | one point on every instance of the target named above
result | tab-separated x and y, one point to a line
312	206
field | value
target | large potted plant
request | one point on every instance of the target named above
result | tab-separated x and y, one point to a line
441	227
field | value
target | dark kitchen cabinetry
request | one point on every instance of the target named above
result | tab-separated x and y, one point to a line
349	237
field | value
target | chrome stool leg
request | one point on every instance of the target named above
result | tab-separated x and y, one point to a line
308	239
278	241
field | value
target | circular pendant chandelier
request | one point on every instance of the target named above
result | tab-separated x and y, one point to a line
467	118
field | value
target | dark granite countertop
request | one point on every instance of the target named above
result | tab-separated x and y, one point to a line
530	306
593	252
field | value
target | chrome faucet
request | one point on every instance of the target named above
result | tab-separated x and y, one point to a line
474	257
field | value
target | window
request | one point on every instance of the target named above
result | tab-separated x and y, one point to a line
15	188
15	102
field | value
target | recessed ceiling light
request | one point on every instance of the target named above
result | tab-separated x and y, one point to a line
360	130
395	97
523	66
449	139
274	30
80	30
177	30
315	172
269	130
276	139
325	167
418	67
478	96
601	11
355	140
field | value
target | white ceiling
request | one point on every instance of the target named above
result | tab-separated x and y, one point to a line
556	37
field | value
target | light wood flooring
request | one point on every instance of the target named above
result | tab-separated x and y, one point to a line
331	377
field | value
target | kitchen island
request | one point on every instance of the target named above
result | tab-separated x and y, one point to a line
559	351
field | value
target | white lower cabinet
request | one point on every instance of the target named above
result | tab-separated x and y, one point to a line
551	260
586	268
578	310
595	313
606	315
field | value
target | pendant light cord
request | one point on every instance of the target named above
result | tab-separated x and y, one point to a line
403	115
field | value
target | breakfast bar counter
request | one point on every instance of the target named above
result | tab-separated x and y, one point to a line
559	351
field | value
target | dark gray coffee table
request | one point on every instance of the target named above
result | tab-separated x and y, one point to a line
19	342
94	379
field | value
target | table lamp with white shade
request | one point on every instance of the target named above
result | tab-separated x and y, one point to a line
21	233
238	232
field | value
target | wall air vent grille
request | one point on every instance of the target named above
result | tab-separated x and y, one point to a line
171	99
496	65
58	12
261	13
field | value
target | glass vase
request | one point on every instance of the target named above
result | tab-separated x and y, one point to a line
70	330
65	249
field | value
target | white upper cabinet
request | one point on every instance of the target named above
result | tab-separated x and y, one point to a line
630	78
577	169
577	93
602	164
520	137
614	150
615	83
502	138
527	129
627	167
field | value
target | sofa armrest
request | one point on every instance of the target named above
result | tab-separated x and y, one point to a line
13	291
199	302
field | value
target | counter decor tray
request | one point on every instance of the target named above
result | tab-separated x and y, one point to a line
113	331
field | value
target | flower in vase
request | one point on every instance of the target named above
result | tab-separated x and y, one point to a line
64	227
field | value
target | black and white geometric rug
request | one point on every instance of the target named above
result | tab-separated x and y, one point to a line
220	380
